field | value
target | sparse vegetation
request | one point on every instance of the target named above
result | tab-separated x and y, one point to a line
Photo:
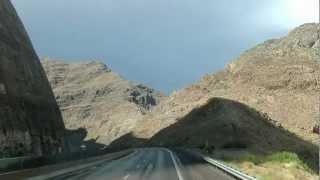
276	158
280	165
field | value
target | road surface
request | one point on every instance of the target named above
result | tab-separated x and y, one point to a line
142	164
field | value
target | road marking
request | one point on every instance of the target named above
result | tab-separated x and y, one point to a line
126	177
180	177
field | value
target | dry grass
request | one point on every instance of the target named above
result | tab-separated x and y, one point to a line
282	165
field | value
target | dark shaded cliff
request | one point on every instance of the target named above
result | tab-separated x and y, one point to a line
30	120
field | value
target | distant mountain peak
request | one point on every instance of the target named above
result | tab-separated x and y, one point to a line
304	36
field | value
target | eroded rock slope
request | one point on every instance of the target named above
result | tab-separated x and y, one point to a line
93	97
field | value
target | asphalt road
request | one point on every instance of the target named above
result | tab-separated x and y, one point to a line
150	164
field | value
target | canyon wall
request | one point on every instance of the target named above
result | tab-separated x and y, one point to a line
30	120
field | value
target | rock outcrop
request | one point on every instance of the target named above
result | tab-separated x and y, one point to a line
93	97
30	120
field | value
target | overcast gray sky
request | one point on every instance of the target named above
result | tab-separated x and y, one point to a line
166	44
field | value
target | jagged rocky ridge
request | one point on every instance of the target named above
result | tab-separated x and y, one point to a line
93	97
30	120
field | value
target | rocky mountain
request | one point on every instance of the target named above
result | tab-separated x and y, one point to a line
279	78
266	101
93	97
30	120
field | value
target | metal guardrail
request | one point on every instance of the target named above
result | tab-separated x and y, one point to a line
228	169
7	164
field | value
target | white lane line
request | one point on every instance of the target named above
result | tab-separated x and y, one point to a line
126	177
180	177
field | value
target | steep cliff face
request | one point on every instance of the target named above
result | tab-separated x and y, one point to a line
93	97
30	120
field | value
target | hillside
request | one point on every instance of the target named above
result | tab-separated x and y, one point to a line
265	102
279	78
93	97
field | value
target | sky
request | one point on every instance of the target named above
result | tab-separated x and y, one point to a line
165	44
